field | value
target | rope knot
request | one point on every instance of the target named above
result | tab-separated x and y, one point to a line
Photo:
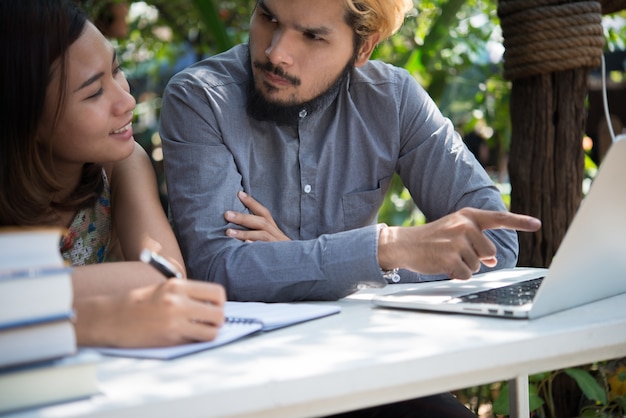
545	36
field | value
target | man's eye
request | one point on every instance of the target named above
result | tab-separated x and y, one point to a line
312	36
269	18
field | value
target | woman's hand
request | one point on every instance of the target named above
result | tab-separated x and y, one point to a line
173	312
260	226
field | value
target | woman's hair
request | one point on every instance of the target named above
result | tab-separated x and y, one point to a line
33	35
367	17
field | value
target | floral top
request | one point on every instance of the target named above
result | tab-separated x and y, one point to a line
88	240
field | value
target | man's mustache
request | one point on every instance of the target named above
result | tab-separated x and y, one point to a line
271	68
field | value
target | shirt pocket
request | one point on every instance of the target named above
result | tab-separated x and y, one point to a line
361	208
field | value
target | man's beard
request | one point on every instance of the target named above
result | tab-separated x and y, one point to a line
262	109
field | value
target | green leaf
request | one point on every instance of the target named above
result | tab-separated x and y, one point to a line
588	384
501	404
534	400
210	15
538	377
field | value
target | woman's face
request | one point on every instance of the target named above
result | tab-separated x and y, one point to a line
95	124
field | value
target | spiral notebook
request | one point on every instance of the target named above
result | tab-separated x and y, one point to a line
243	319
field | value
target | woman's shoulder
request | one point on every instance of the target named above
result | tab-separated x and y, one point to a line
137	160
87	240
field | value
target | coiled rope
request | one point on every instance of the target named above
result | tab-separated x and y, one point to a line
544	36
612	6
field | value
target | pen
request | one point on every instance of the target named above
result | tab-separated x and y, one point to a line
161	264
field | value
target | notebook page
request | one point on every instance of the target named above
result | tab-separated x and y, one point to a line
246	318
278	315
228	333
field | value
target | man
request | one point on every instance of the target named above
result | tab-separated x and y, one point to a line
304	122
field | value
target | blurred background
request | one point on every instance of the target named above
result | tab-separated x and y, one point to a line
452	47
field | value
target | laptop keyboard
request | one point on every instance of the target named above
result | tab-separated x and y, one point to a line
516	294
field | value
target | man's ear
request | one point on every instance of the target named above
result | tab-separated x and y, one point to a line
365	52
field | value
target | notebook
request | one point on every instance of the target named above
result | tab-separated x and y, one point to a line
242	319
590	263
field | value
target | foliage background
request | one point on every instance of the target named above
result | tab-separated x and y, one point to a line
452	47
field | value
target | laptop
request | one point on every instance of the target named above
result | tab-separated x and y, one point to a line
589	265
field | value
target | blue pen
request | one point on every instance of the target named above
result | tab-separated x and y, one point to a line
160	263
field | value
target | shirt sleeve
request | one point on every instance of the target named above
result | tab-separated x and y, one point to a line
441	173
203	180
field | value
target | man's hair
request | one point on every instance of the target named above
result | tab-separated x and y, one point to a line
367	17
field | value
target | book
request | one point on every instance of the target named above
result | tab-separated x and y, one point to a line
242	319
60	380
35	297
23	248
45	339
34	293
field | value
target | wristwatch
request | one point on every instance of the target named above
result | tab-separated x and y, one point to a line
391	275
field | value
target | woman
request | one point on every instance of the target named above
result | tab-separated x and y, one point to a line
68	158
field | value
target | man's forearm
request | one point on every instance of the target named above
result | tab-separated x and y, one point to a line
327	268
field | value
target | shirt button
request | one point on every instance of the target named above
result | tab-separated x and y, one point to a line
303	113
307	188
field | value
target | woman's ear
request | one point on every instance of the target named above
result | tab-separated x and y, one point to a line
365	52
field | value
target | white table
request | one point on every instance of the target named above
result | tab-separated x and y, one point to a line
364	356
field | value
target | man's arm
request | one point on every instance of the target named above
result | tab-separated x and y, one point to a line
203	181
454	245
443	177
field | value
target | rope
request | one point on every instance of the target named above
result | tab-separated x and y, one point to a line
612	6
544	36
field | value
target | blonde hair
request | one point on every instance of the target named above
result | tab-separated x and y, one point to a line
367	17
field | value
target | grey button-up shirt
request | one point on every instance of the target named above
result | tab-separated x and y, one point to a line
323	181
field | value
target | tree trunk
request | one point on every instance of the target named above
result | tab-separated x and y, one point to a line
550	45
546	163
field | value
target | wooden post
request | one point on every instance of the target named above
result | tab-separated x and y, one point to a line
550	46
546	165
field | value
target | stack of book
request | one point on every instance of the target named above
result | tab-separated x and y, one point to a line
39	361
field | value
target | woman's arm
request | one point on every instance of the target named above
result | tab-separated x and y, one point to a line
138	222
112	278
129	303
174	312
138	216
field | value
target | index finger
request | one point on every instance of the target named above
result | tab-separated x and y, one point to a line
206	292
486	219
252	204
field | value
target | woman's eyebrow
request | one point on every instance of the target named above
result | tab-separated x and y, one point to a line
95	77
90	81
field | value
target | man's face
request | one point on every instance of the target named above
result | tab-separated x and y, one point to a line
298	48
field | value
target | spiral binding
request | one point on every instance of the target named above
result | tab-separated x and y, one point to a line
240	320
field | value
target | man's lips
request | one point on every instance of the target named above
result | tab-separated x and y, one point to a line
273	78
